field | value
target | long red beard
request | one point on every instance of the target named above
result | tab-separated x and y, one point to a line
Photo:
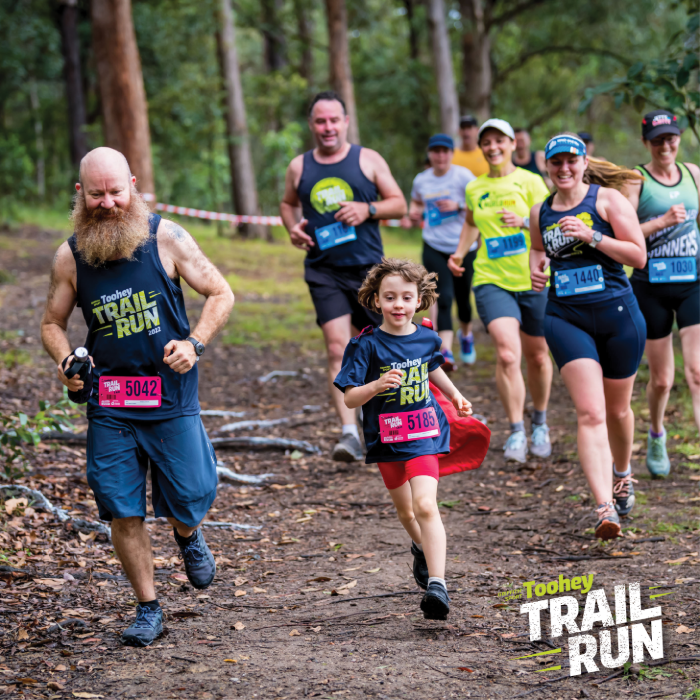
110	234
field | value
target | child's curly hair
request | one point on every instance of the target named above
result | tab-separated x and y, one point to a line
410	271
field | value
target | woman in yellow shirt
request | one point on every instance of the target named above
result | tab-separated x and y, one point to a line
498	207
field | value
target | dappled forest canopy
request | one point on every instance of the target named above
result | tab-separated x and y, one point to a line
542	55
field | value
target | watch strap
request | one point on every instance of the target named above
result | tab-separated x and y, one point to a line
197	345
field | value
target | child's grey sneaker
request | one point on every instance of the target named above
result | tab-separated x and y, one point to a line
146	629
347	449
515	448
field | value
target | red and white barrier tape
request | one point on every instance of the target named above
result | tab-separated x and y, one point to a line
233	218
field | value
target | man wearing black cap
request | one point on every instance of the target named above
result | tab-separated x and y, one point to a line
587	138
438	200
667	289
470	155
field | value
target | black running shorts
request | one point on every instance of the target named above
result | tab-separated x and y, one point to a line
334	293
661	303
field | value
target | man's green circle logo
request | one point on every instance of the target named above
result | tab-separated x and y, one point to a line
327	194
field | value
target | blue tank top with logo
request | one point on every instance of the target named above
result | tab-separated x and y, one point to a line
133	310
321	189
580	266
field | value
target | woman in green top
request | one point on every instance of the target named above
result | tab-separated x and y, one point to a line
667	289
498	208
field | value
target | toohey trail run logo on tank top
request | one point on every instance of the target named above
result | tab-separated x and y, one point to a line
327	194
126	312
565	246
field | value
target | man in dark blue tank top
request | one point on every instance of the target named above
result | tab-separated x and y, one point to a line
122	267
343	191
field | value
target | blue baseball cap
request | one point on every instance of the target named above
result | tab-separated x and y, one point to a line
443	140
564	143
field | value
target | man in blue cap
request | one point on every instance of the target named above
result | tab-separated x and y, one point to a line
437	199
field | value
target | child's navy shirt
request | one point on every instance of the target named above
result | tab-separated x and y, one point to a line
373	353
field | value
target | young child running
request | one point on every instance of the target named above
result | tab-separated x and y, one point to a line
387	370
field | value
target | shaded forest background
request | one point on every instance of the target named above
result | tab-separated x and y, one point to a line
542	56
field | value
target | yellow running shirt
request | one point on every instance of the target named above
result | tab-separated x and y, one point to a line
471	160
486	196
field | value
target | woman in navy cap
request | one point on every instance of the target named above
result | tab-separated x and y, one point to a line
667	289
437	200
587	231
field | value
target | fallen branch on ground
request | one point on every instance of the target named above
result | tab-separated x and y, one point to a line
263	442
40	501
223	414
214	523
226	473
277	373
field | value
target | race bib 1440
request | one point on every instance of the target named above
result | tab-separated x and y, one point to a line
579	280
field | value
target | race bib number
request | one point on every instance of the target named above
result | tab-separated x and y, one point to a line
413	425
335	234
580	280
130	392
665	270
433	215
506	245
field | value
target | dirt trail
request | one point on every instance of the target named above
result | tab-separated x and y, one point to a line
320	601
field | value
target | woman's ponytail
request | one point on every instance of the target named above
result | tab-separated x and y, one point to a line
606	174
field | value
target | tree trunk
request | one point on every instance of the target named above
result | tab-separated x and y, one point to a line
442	61
123	96
243	189
476	54
275	51
302	10
70	44
38	140
339	59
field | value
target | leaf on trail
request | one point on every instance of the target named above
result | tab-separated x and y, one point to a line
352	584
296	455
373	571
484	508
559	488
316	629
677	561
239	593
464	668
185	613
112	561
636	447
87	538
86	695
320	579
28	681
508	635
259	590
59	668
500	605
179	577
53	685
448	504
239	581
12	504
295	633
239	626
694	478
682	629
22	634
230	661
353	556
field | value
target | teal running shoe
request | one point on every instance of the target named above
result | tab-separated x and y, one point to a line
515	448
658	463
467	350
541	445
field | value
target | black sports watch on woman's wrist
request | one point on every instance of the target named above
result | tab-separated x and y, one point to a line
372	211
198	347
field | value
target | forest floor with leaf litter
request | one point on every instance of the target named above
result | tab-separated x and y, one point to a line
320	601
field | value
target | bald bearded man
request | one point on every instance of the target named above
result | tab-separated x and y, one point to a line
123	267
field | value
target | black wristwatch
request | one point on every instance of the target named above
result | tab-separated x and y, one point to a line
198	347
372	211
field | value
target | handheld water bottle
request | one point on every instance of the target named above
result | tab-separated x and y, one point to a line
82	367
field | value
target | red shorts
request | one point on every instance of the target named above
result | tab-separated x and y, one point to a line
396	474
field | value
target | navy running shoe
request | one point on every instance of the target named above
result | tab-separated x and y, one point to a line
449	365
146	629
420	567
200	566
436	603
467	350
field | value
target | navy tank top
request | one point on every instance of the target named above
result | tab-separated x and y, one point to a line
321	189
531	165
567	253
133	310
